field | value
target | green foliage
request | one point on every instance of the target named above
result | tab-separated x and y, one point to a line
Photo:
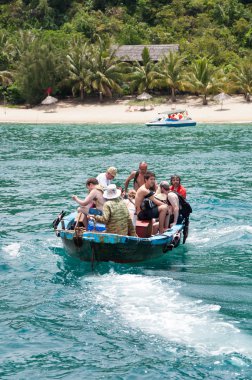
142	77
35	31
203	78
6	78
3	50
242	77
95	68
107	72
133	34
40	67
13	95
226	12
170	73
78	64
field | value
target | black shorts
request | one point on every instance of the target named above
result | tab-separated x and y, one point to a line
148	214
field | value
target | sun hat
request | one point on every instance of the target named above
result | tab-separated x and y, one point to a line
112	170
111	192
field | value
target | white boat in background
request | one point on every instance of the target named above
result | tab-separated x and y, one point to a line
173	118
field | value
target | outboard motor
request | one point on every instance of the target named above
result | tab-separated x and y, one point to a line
176	240
56	221
185	230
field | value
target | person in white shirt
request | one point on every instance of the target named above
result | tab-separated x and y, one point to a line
105	179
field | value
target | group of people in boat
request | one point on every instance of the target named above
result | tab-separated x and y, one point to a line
120	208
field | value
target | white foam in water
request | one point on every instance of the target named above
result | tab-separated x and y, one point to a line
155	306
12	249
229	232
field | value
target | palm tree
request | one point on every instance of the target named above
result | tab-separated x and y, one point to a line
203	78
3	49
19	43
142	77
242	78
79	68
107	72
170	73
6	78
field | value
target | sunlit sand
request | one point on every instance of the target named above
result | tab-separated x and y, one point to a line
234	110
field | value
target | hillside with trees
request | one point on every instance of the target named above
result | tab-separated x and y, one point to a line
68	45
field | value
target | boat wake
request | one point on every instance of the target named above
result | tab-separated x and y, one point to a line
12	249
220	234
156	307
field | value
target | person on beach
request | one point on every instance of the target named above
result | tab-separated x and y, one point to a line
176	185
95	197
149	207
105	179
137	176
115	216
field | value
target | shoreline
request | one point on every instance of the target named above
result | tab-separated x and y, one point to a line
234	111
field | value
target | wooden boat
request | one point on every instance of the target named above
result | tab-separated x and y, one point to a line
172	119
97	245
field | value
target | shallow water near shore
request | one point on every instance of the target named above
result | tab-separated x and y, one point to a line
185	316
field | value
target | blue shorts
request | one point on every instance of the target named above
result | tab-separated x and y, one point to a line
95	211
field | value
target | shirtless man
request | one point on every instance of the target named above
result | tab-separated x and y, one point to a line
95	196
137	176
143	195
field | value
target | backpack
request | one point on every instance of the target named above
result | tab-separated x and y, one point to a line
147	204
185	208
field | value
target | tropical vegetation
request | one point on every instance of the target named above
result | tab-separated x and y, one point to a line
70	46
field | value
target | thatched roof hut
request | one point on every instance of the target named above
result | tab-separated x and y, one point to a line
129	53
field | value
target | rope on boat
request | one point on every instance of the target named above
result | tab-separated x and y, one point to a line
81	229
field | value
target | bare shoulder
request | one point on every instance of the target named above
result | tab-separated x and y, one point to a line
142	190
132	174
172	196
93	193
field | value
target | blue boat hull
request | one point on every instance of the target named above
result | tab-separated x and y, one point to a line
98	246
172	124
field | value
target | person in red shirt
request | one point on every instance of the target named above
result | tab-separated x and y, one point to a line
176	185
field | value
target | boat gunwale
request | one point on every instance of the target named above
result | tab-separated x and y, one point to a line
102	237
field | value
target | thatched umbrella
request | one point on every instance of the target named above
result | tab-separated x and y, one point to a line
49	100
220	98
144	96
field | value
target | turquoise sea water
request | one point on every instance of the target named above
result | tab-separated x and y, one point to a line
187	316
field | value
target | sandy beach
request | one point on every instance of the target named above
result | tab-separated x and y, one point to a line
234	110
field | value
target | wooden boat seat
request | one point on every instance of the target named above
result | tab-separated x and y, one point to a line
144	228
